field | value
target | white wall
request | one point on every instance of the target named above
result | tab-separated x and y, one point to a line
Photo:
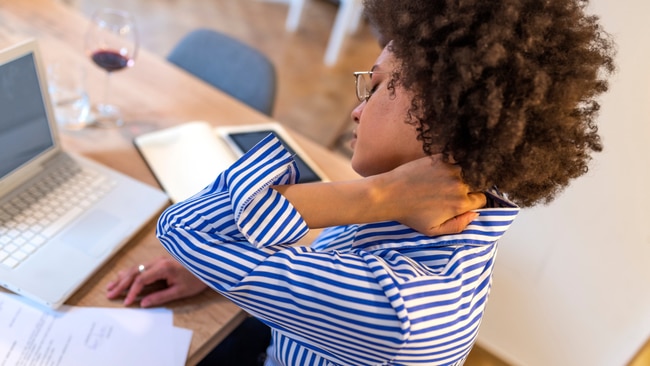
572	280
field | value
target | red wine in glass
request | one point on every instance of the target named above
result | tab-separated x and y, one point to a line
111	42
110	60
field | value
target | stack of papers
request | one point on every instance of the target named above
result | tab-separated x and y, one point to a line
34	336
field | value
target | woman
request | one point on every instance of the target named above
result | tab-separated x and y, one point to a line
467	97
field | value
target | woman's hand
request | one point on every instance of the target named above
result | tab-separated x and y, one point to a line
426	194
180	283
429	196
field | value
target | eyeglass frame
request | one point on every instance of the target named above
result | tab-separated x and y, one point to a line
366	93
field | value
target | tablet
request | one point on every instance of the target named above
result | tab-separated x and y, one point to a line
243	138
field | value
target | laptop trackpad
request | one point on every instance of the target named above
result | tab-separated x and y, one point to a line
92	234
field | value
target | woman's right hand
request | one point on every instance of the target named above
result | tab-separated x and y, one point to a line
426	194
180	283
429	196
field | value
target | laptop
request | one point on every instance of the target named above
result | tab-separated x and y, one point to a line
61	216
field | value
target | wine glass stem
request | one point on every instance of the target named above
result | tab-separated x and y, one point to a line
106	87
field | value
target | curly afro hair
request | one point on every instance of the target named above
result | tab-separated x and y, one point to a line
505	88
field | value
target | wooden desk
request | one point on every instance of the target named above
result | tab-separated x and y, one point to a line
152	95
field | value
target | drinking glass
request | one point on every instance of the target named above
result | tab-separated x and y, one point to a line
112	43
66	85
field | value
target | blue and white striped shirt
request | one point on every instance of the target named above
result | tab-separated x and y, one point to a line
371	294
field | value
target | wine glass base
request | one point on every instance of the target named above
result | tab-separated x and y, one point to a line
107	116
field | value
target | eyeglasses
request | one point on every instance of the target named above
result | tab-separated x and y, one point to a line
363	82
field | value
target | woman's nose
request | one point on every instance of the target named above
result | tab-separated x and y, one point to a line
356	112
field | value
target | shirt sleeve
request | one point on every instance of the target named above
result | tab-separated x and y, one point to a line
240	202
237	234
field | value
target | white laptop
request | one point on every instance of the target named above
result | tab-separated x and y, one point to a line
61	216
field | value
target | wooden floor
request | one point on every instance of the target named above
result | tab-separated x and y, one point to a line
313	99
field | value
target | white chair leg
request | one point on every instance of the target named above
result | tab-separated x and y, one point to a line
356	17
293	18
343	17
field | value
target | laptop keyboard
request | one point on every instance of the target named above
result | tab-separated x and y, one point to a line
38	213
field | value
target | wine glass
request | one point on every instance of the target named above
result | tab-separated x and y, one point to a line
112	43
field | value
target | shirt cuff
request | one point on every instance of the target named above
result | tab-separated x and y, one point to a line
264	216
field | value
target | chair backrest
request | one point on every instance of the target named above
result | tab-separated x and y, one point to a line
229	65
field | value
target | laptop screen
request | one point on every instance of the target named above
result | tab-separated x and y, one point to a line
24	128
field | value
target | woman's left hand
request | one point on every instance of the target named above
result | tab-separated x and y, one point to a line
180	283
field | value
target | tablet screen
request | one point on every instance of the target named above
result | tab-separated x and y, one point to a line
246	140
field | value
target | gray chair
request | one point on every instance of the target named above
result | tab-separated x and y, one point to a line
229	65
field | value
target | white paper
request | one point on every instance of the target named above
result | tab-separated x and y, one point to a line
34	336
182	339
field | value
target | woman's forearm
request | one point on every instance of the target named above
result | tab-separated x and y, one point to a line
334	203
422	194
